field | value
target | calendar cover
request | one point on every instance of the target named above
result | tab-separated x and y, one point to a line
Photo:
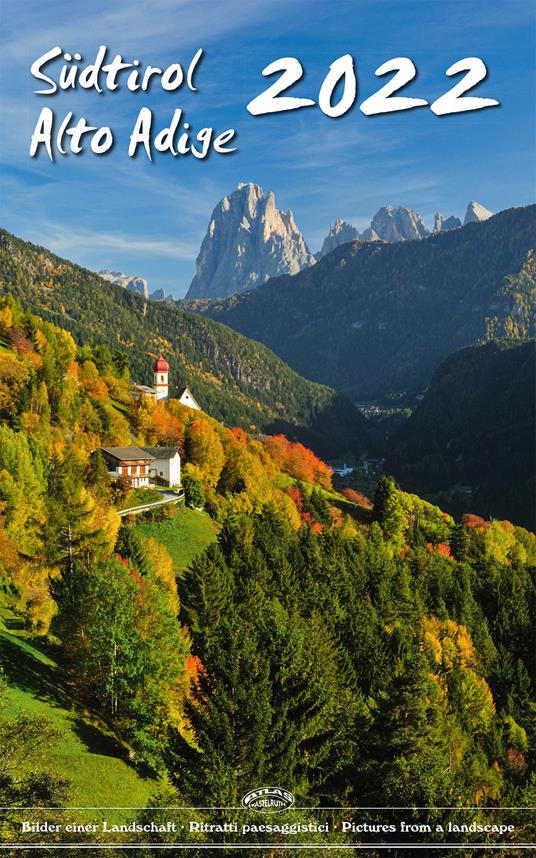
267	374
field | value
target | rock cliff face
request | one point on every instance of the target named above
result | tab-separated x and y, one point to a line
248	241
399	224
131	284
476	213
339	233
134	284
388	224
442	225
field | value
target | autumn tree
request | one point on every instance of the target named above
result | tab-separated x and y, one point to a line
72	529
204	450
124	649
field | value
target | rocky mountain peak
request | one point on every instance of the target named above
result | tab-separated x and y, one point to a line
339	233
476	213
438	221
442	224
138	285
401	224
248	240
398	224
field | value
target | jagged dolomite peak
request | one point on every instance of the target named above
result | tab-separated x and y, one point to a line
248	240
476	213
339	233
369	234
399	224
134	284
442	225
131	284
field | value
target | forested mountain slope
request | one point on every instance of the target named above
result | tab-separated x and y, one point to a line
374	319
370	655
236	380
476	426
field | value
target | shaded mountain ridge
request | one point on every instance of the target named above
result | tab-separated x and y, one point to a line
475	427
375	320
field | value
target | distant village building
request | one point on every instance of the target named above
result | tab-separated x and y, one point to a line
345	471
372	466
144	466
187	398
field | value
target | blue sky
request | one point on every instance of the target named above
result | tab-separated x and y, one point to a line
148	219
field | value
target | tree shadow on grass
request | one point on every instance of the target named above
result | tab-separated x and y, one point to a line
98	742
29	673
43	681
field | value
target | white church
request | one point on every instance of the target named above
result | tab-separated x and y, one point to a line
160	388
146	466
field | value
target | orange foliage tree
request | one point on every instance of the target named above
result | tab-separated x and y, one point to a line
298	461
357	497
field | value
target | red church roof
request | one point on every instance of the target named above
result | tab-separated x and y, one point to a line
161	365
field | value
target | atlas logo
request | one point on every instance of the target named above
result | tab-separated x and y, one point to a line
268	799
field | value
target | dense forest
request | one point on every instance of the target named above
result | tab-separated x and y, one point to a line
358	652
475	427
375	320
236	380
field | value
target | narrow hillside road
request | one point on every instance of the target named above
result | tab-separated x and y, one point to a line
166	497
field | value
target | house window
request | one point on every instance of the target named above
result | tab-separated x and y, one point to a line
119	469
162	379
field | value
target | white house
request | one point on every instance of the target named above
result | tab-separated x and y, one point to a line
144	466
187	398
165	465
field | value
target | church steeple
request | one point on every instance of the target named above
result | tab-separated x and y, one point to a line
161	370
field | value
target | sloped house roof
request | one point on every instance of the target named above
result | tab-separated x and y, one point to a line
128	454
161	452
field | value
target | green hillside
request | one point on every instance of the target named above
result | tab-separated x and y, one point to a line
93	759
370	655
374	320
238	381
184	536
95	665
476	427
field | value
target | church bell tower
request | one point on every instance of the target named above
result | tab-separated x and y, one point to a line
161	371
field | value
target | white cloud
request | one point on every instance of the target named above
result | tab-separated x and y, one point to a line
75	241
133	27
